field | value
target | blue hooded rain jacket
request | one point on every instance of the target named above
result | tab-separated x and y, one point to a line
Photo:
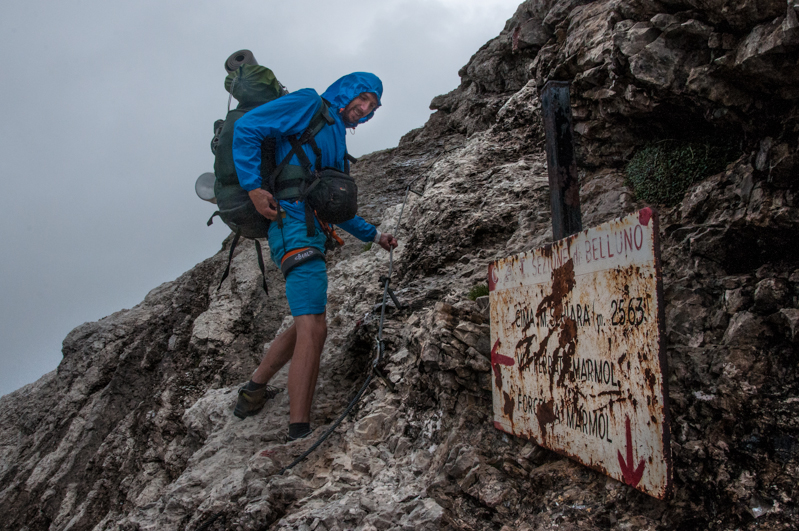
291	115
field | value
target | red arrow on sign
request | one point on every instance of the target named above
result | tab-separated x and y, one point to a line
501	359
498	359
632	476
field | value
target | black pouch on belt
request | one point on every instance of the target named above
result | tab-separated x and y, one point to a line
333	195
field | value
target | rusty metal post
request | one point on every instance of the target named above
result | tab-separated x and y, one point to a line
564	185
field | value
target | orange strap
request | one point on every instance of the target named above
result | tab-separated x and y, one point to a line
336	237
328	229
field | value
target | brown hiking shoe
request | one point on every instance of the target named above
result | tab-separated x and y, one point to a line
251	402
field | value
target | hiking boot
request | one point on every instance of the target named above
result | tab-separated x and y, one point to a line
251	402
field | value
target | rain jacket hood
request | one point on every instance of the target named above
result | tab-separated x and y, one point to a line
347	88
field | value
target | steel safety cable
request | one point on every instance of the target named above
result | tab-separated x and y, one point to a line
378	356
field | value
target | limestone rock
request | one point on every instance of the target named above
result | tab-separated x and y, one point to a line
789	318
135	428
771	294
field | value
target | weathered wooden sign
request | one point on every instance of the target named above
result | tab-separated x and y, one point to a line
578	359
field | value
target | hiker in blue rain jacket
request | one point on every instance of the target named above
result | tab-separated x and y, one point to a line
353	100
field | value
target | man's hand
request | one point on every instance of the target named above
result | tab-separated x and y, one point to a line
387	241
264	203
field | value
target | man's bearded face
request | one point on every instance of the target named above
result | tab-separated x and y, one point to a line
363	104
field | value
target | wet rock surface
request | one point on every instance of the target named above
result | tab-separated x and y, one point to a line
135	430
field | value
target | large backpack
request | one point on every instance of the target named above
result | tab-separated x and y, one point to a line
252	86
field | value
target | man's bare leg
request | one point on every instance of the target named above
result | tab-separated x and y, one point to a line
310	335
255	393
279	353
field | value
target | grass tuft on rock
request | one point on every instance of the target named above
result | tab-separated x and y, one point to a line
662	172
480	290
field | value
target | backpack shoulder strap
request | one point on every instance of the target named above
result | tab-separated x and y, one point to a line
286	184
230	259
319	120
230	255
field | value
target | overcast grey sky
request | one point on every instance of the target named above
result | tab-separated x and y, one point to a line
106	117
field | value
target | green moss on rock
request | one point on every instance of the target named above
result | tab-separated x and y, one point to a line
480	290
662	172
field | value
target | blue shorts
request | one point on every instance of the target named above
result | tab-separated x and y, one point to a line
306	284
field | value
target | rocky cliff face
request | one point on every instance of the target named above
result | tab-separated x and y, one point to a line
645	70
135	429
